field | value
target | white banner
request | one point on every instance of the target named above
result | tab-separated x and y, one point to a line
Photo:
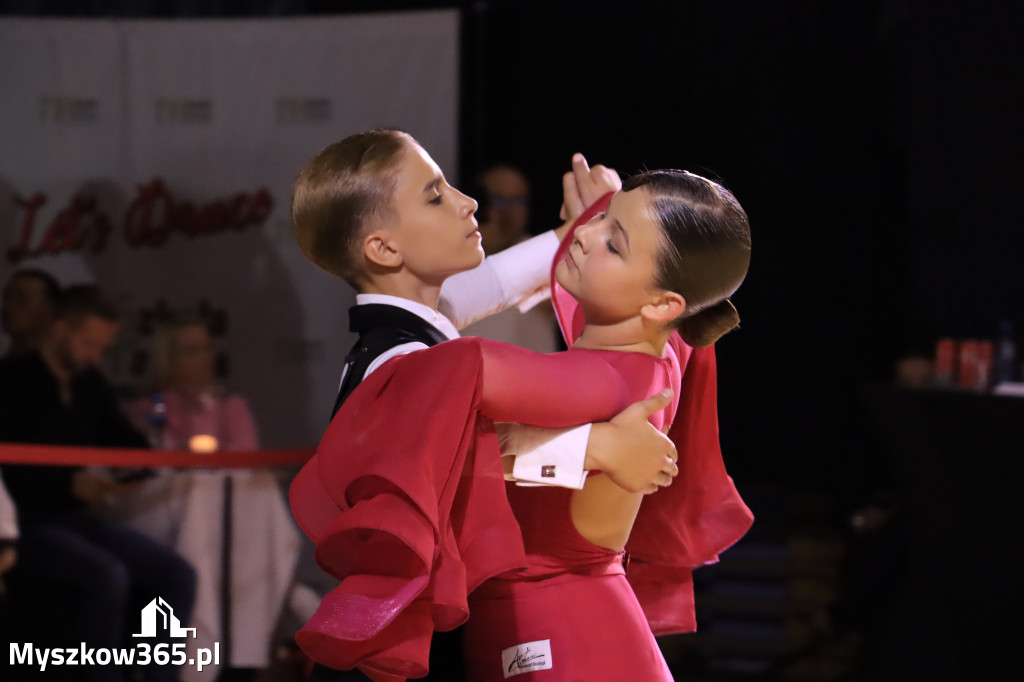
155	158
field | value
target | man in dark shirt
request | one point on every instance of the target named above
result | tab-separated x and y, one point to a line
56	396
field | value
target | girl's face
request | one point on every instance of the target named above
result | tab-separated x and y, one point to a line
191	357
612	262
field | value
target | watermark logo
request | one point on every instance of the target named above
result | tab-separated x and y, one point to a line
157	618
525	658
159	614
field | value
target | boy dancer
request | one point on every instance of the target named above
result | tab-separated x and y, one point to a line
376	210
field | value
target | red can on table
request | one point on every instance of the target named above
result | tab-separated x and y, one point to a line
945	362
983	375
968	364
975	365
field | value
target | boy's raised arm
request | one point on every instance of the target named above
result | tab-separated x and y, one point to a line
519	275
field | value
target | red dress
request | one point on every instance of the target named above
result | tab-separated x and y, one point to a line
570	614
406	502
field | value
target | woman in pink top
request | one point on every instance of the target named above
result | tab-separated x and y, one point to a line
186	399
187	409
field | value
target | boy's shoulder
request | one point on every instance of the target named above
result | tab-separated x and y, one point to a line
388	320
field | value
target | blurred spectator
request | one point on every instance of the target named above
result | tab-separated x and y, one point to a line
56	396
8	534
504	218
27	309
182	374
187	409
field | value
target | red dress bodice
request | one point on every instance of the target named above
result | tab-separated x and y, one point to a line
553	545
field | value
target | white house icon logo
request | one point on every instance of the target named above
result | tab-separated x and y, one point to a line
159	613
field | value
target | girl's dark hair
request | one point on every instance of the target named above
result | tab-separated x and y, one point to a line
706	251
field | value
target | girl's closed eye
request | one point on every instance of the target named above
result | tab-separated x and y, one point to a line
437	200
611	246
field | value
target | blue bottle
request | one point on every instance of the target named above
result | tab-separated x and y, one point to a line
156	421
1004	362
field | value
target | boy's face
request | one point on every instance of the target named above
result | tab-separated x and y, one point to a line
435	231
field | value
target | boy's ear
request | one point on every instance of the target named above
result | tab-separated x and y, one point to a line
665	306
380	248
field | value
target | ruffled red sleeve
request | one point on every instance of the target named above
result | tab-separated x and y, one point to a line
405	501
689	523
405	497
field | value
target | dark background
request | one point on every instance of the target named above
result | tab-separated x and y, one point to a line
875	146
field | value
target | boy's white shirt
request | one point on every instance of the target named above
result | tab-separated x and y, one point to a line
516	276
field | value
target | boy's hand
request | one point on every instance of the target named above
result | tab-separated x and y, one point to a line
584	185
634	454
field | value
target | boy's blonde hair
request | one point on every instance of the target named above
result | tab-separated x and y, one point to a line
342	192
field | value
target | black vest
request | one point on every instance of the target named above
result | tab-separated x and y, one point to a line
380	327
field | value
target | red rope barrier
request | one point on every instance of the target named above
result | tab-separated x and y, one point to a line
55	455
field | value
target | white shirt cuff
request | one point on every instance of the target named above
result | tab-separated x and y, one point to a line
546	456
